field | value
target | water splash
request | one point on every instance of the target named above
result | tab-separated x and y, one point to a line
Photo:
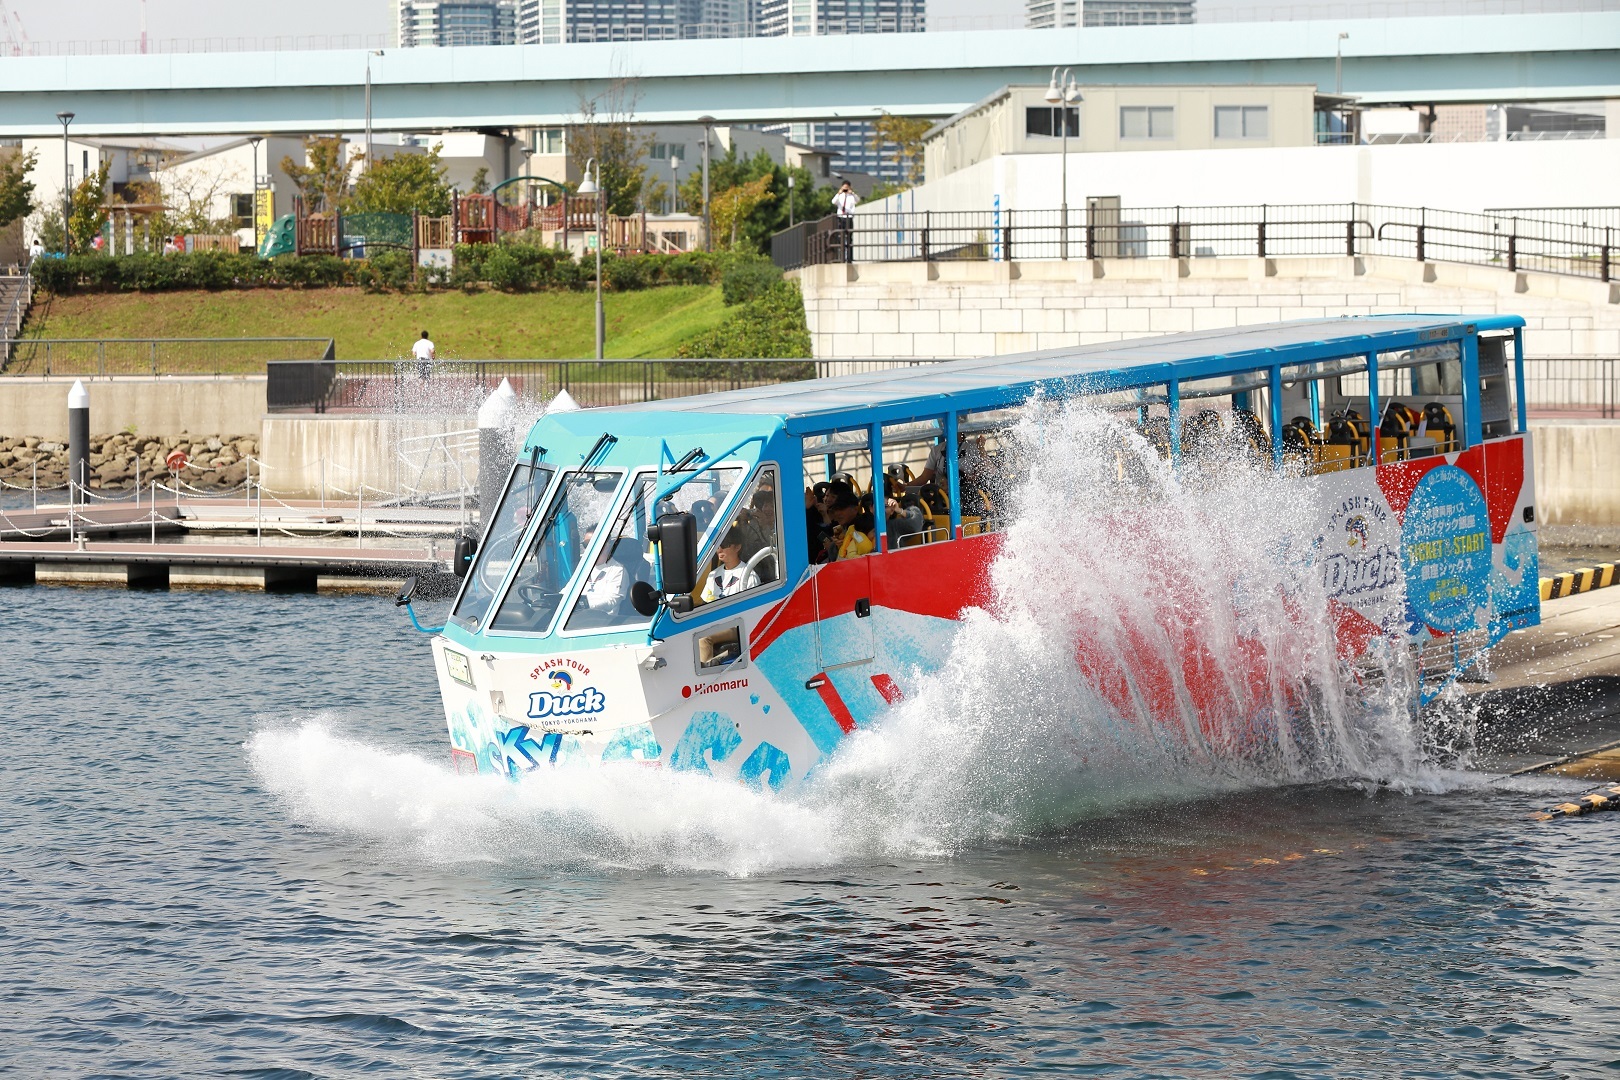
1151	637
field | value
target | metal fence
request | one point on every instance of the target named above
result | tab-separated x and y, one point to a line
1575	386
1190	232
154	356
460	386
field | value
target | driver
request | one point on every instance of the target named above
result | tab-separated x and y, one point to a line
731	576
608	583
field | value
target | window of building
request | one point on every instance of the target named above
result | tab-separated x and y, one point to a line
242	210
1147	122
550	141
1242	122
1050	119
666	151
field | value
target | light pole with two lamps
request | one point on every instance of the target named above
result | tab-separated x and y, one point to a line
590	185
1063	93
67	187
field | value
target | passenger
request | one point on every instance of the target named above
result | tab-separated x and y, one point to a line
906	520
759	521
854	529
731	576
817	518
971	463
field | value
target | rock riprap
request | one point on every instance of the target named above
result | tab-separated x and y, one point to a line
214	461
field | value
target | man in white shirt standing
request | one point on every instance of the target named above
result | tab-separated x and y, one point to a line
425	355
844	204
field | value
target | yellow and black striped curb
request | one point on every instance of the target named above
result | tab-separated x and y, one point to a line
1586	579
1603	799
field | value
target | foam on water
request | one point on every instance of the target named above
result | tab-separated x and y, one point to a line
1068	698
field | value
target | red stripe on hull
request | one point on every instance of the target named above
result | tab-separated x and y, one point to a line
835	704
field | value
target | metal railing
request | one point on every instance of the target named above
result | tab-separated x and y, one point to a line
20	297
381	386
1189	232
1576	386
154	356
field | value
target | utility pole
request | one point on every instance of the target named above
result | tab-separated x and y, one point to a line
67	188
1338	63
708	125
590	186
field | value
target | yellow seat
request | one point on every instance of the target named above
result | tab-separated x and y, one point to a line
1331	457
1390	450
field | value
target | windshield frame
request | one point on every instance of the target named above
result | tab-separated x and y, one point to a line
587	557
499	592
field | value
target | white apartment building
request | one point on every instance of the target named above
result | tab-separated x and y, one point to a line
432	23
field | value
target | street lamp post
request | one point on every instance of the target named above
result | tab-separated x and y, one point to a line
675	182
590	186
708	124
1063	93
369	54
67	187
256	140
790	198
1338	63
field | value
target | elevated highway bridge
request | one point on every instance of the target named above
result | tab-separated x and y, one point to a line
1480	58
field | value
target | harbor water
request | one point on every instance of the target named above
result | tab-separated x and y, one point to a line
233	845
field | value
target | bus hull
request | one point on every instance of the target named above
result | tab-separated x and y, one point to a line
1436	551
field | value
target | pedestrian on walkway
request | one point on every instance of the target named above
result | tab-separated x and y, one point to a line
425	355
844	204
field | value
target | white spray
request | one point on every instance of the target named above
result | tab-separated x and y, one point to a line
1150	637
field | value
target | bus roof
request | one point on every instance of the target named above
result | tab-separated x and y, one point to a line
997	381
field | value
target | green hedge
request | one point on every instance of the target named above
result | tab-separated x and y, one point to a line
769	327
511	267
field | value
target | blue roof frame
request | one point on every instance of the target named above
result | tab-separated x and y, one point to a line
895	394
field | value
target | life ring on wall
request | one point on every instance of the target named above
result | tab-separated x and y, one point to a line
176	460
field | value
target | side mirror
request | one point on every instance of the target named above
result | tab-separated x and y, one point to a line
461	561
406	591
676	537
644	598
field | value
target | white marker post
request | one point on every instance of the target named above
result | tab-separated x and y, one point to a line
78	436
494	451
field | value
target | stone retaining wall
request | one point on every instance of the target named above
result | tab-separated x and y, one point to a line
969	309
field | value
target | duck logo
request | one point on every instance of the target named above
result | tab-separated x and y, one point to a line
1355	532
561	681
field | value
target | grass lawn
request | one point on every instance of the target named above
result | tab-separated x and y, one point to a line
381	326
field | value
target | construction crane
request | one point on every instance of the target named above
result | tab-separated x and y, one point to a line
16	37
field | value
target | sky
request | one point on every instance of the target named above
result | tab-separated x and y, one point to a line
120	20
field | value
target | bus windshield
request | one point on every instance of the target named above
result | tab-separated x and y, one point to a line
506	529
543	577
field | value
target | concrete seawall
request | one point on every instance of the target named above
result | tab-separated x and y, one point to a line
160	405
1577	471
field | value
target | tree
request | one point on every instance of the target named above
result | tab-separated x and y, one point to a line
16	190
604	132
905	135
480	180
191	195
768	217
404	184
89	215
735	205
324	180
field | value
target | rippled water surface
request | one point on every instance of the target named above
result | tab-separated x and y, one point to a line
232	846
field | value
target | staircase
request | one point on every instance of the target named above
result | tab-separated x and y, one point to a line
16	295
